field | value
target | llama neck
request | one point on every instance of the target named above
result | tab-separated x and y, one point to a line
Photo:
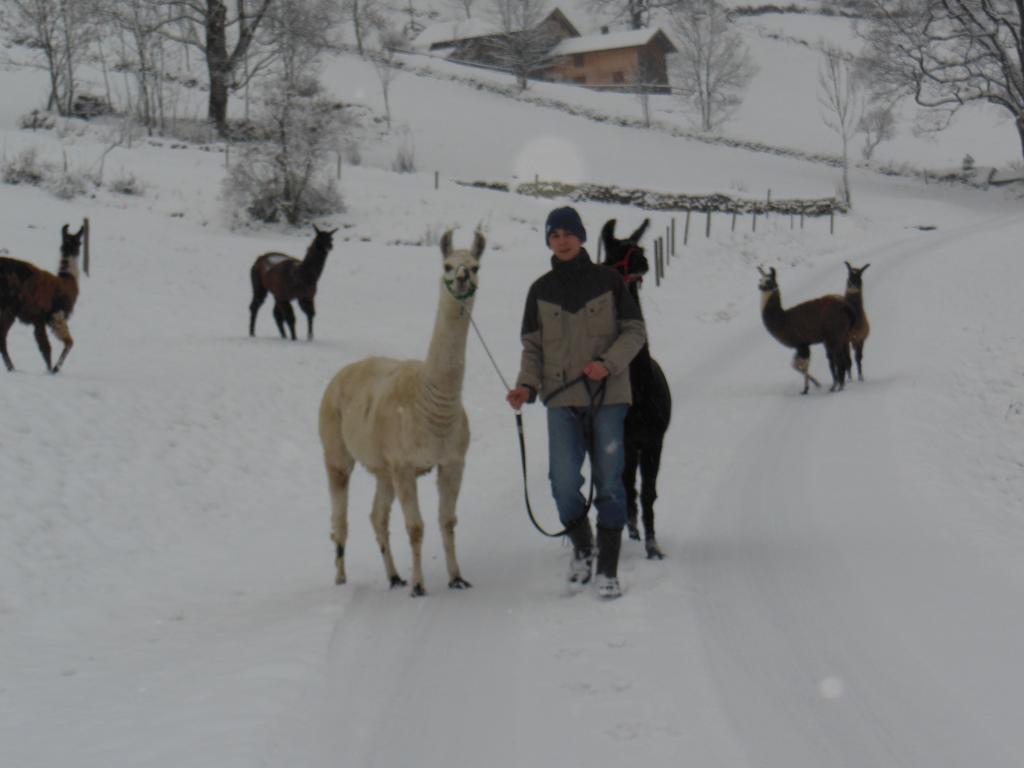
313	264
68	266
440	391
854	297
634	291
773	315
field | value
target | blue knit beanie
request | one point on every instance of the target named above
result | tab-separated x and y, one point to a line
567	219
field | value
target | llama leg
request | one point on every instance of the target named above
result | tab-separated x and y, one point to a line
404	479
802	364
60	328
337	485
449	480
307	306
259	295
379	518
629	481
289	316
650	463
6	321
44	344
858	349
279	316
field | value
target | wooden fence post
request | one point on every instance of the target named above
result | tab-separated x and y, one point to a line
832	222
707	229
733	221
686	228
672	247
85	262
753	226
437	179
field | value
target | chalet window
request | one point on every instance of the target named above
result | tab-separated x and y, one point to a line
577	60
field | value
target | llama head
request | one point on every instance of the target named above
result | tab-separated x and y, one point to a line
767	284
71	244
461	266
853	279
323	241
626	256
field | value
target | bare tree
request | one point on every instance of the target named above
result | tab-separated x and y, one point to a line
713	66
138	24
466	6
60	31
524	41
384	62
841	102
637	13
878	124
288	177
295	35
208	26
365	16
948	53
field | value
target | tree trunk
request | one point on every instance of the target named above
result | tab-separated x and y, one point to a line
1020	130
217	63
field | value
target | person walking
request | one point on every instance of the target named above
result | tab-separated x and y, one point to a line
580	330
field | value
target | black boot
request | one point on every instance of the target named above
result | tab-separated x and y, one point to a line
582	539
609	541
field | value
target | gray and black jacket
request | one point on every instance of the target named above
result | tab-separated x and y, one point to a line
578	312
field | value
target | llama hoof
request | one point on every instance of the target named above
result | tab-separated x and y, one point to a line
397	581
634	533
339	578
653	551
459	583
418	591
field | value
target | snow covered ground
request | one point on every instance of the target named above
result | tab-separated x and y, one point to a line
843	578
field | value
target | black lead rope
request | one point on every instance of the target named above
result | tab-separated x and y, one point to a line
596	400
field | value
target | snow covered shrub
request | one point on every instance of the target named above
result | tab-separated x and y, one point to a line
967	164
405	160
25	168
127	184
66	184
87	105
36	120
291	177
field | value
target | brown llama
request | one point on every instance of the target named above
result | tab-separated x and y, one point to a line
826	320
288	278
38	298
861	328
402	418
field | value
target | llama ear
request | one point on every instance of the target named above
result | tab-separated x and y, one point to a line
848	266
608	231
64	230
446	244
317	229
635	237
479	243
864	267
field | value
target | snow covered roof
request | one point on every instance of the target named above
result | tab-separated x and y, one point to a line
450	32
629	39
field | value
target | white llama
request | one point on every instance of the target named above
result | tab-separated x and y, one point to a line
402	418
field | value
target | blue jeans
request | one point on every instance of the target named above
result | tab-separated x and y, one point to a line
567	445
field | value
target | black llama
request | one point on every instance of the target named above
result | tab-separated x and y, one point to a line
649	416
288	278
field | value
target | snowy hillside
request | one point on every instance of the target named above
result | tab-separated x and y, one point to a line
843	573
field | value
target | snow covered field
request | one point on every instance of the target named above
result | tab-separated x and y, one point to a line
843	578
